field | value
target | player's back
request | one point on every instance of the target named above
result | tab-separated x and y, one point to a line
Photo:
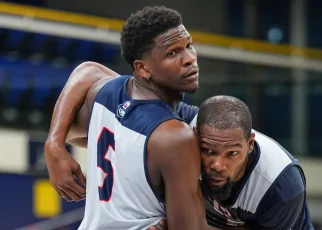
119	195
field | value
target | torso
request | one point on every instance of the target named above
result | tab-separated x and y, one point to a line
122	179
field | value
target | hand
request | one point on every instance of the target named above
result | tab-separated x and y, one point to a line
63	169
162	225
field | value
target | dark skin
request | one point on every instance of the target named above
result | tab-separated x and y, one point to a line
224	154
167	66
62	167
87	76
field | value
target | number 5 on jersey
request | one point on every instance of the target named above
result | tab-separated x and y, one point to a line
105	150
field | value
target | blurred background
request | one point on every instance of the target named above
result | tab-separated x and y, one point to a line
267	53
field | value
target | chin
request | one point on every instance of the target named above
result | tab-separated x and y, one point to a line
192	89
219	193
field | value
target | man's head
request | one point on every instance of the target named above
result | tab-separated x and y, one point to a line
159	48
224	127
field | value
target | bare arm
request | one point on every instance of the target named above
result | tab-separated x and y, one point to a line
77	134
62	167
72	98
174	148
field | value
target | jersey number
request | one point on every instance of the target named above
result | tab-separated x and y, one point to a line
105	149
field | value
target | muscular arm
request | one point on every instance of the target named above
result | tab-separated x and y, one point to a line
174	148
70	102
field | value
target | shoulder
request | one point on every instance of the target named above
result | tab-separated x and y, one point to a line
287	186
275	174
173	140
95	89
273	159
284	203
90	68
173	130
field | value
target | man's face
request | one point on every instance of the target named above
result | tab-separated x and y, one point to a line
173	61
224	157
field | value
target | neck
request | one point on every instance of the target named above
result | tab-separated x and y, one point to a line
148	90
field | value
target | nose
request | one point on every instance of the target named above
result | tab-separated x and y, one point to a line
189	58
218	164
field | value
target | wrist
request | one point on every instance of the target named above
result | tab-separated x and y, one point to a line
52	144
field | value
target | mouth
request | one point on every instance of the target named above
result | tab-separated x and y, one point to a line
192	74
217	181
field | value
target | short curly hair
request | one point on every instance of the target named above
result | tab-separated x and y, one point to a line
142	27
225	112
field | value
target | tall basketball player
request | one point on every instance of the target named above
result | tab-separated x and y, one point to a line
139	149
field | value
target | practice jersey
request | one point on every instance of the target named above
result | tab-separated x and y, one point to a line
271	194
118	191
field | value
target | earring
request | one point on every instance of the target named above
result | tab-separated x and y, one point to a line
148	77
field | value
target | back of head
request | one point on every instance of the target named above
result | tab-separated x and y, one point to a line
225	112
142	27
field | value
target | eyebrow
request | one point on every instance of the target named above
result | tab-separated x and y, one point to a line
225	145
233	145
165	45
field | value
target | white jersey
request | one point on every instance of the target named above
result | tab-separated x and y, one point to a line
119	195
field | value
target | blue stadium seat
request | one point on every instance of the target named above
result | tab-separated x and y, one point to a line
63	45
39	41
108	52
83	50
42	84
15	38
18	85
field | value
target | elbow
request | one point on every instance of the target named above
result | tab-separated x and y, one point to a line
86	74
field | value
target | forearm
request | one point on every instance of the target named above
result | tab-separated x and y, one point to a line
71	100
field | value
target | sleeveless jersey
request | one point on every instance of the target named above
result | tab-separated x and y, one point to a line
274	186
119	195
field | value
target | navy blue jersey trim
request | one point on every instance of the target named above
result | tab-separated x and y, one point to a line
91	109
272	186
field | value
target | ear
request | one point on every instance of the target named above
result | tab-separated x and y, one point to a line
141	67
251	142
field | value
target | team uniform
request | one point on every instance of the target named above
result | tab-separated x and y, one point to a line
271	194
119	195
118	191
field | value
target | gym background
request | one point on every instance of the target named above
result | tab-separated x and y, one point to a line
267	53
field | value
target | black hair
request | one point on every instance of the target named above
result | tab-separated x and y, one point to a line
225	112
142	27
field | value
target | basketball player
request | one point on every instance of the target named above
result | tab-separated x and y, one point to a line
248	179
139	149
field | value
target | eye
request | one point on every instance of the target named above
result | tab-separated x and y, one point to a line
233	153
207	151
171	54
190	45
